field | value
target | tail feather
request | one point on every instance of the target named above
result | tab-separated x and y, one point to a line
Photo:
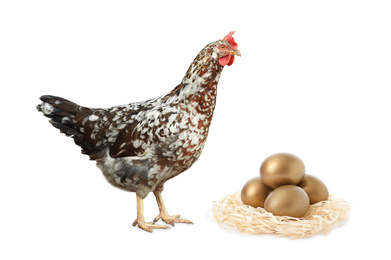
68	117
61	112
54	105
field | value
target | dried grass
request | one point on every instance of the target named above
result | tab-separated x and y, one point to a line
232	214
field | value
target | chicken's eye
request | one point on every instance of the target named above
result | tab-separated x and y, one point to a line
222	47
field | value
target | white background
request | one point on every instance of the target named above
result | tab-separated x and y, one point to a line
313	80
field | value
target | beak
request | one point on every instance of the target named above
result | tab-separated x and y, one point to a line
235	52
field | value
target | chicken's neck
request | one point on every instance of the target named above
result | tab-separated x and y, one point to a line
200	82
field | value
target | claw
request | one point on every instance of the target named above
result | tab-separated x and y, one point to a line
160	217
163	215
140	222
171	220
148	226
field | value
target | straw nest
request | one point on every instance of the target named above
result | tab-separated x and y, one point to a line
232	214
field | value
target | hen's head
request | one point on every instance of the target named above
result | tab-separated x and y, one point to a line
225	50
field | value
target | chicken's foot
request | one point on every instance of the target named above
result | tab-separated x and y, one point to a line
163	215
140	222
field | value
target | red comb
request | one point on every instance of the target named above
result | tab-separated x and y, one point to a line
231	40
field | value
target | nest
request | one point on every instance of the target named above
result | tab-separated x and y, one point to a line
232	214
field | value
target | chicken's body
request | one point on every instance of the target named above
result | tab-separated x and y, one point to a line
139	146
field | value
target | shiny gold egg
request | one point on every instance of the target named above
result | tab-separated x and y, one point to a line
288	200
315	188
282	169
254	192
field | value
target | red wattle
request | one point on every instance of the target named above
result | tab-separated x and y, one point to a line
225	60
231	61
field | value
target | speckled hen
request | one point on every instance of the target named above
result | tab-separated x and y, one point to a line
139	146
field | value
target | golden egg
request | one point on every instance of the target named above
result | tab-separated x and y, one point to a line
315	188
288	200
282	169
254	192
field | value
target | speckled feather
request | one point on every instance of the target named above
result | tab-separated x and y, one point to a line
139	146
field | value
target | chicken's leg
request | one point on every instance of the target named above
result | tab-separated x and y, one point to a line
163	215
140	222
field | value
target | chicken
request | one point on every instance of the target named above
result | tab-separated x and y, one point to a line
139	146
